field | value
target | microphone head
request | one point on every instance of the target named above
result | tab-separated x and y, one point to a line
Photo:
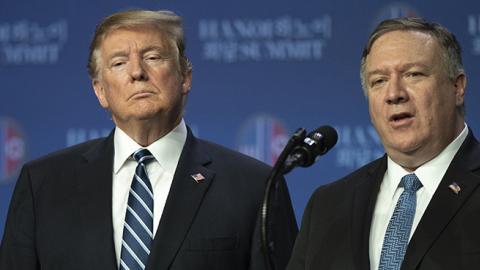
315	144
327	135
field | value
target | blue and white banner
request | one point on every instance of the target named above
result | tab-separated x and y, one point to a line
261	69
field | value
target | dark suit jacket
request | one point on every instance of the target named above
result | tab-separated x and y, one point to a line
60	216
336	224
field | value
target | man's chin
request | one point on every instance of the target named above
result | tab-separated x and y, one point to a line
405	148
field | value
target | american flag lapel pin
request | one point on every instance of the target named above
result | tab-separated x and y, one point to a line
455	187
198	177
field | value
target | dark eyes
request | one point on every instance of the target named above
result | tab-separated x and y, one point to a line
377	82
154	57
118	64
413	75
151	58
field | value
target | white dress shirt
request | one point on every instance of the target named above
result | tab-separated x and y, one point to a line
430	174
166	151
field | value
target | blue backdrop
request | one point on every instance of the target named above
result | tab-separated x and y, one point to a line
261	69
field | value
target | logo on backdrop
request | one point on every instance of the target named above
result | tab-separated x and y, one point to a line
80	135
262	137
395	10
285	38
27	42
474	31
12	150
357	145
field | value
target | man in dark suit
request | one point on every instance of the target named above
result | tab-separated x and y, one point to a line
418	206
192	205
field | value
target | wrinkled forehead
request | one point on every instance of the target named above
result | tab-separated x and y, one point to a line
164	38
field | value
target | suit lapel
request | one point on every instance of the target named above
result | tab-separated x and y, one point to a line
183	202
94	185
445	203
363	206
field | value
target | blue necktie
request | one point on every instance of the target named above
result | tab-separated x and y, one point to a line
398	230
138	228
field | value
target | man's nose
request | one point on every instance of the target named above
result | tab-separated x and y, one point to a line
137	70
396	91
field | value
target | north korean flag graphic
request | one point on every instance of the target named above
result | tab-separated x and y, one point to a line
262	137
12	150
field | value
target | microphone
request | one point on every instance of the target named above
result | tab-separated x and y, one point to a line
315	144
302	151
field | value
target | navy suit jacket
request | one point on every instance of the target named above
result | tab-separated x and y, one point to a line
336	224
60	215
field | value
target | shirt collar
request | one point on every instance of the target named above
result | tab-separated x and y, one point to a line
166	150
430	173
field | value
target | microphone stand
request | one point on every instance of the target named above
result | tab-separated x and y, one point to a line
278	169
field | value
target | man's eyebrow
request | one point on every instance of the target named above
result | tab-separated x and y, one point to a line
415	64
154	48
375	72
121	52
117	53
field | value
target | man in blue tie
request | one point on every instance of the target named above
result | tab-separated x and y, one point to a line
418	206
150	195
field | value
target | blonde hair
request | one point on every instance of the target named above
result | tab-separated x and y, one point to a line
166	22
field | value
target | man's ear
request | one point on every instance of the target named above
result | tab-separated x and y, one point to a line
460	85
100	93
187	81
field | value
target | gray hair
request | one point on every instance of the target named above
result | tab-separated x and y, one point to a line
451	51
167	23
